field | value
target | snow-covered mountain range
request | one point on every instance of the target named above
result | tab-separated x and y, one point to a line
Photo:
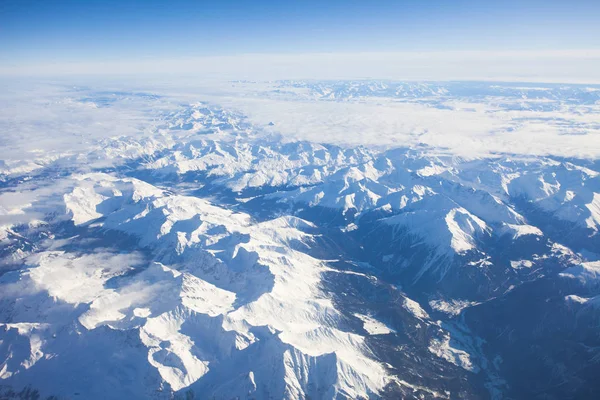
203	251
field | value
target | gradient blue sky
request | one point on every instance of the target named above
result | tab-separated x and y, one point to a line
90	30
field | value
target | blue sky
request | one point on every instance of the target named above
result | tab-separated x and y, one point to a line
91	30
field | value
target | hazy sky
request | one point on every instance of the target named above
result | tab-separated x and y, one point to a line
89	31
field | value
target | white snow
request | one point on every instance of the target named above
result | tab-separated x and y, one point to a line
443	349
463	226
414	308
587	273
523	230
373	326
453	307
521	264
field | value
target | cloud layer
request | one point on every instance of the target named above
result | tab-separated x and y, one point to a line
581	66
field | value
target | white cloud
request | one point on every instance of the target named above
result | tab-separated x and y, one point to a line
467	129
548	66
58	125
42	121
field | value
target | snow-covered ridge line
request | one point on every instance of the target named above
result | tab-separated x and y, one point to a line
241	278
